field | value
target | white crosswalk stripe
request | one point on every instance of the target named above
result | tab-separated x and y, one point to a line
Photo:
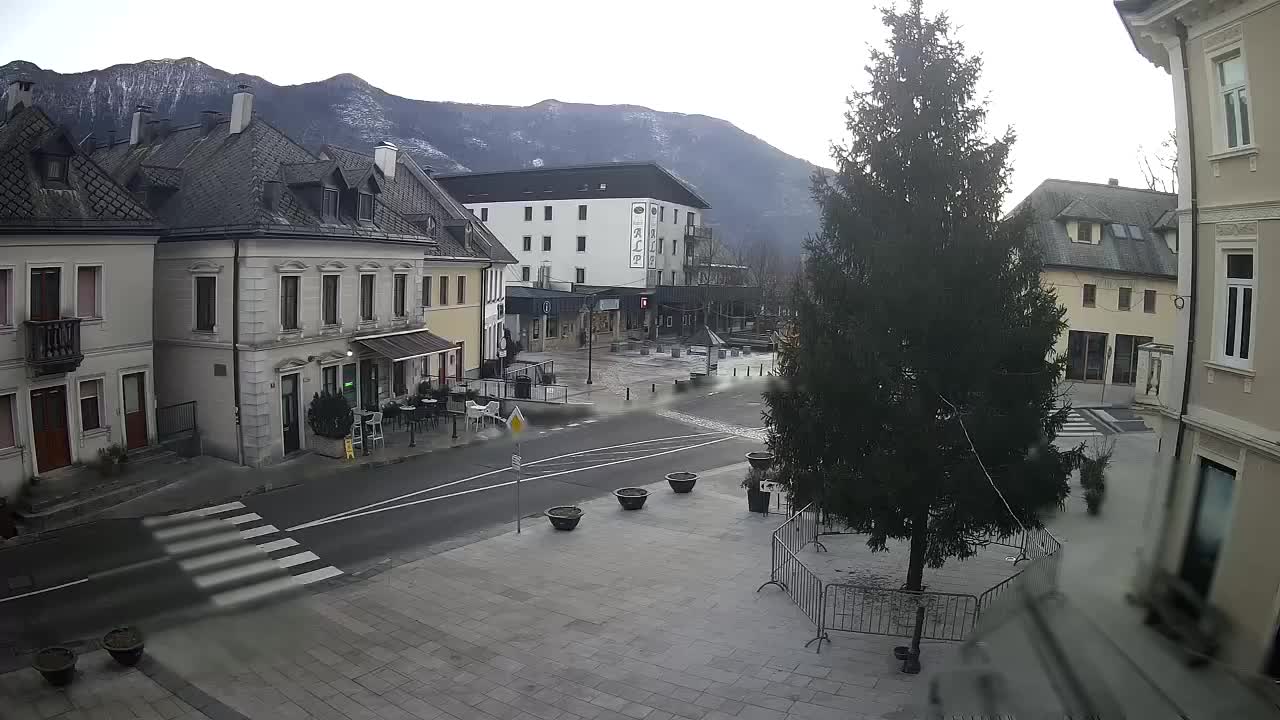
235	555
1077	427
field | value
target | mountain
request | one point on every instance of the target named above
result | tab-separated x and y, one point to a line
757	192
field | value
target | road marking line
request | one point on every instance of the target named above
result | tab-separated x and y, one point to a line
239	572
573	424
352	516
242	519
202	512
259	531
195	528
280	544
44	590
300	558
491	472
323	573
206	561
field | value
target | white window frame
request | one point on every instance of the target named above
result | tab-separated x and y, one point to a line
580	272
13	418
360	299
195	303
103	425
337	305
526	273
100	290
1120	294
1222	287
10	324
1218	114
581	243
394	279
280	302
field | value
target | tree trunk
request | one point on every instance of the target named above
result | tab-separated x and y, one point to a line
919	543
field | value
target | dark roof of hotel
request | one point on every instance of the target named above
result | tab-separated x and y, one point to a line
89	199
1055	201
572	182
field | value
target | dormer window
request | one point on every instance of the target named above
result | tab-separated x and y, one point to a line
330	206
55	169
365	207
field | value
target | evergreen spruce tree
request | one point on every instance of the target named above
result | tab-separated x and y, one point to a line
920	314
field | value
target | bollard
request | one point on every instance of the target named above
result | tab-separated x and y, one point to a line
455	427
748	371
653	387
735	372
761	373
628	394
411	442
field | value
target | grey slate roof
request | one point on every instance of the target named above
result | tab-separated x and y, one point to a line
219	187
90	198
417	197
1130	206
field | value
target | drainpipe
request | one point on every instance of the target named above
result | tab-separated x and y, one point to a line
484	302
1195	235
235	346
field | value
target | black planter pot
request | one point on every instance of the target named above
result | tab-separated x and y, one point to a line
631	498
760	460
564	517
682	482
56	664
757	501
125	645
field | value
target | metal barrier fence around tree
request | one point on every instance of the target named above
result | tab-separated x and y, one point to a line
872	610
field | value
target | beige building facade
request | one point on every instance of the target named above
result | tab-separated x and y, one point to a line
1217	401
76	249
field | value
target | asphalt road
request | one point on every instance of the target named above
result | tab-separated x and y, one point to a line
81	581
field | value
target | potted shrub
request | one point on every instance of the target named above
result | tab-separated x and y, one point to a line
125	645
1093	468
631	498
56	664
330	418
757	500
111	459
564	517
682	482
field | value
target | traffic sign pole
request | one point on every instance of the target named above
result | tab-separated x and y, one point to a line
517	424
518	474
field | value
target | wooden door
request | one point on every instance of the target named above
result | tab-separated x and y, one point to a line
135	410
289	422
46	294
49	425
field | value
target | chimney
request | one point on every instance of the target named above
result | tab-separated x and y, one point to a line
384	156
270	194
19	96
111	137
165	128
1113	182
209	119
140	118
241	110
151	131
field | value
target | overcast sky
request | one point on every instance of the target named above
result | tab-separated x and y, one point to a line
1064	74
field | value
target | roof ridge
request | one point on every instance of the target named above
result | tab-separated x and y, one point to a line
1109	186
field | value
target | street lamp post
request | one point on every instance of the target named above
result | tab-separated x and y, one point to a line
591	326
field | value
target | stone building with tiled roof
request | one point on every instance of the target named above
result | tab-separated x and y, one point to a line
1110	252
76	250
281	272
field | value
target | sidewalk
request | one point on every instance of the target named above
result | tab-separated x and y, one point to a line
647	615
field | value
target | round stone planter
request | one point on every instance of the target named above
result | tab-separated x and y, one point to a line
631	498
682	482
760	460
675	352
734	352
56	664
613	347
125	645
328	447
722	353
644	349
564	517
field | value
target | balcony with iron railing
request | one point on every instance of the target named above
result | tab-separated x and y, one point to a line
697	232
53	346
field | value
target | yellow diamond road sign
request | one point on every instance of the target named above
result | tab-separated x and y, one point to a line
516	422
